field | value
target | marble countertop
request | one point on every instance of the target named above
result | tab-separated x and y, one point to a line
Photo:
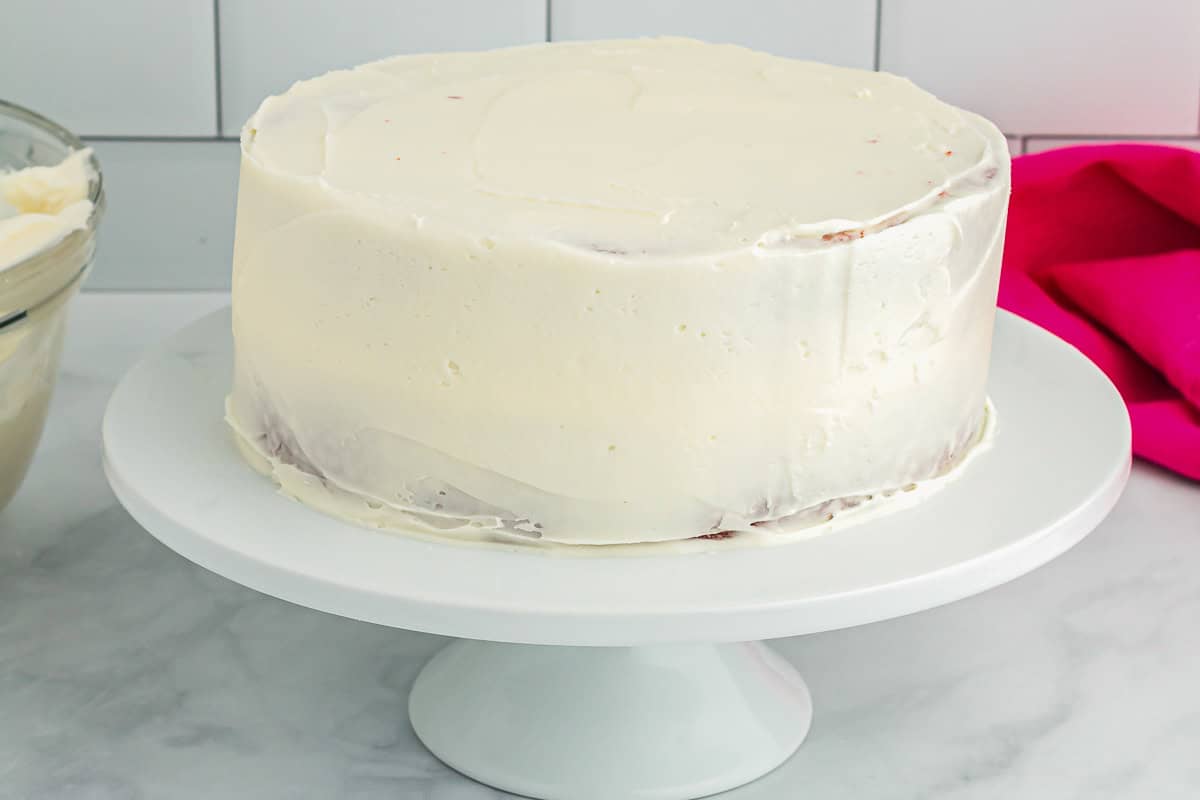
126	672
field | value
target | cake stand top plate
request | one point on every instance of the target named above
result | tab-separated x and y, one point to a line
1060	459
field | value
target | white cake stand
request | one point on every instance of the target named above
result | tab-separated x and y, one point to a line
614	677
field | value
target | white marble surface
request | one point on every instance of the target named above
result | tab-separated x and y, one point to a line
125	672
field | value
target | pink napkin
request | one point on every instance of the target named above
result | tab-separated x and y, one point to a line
1103	249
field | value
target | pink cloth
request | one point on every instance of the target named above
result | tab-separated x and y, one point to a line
1103	249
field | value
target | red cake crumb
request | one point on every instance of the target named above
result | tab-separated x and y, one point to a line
843	236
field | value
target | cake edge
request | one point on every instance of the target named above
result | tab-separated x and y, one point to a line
344	505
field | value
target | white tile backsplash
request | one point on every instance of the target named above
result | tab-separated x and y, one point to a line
117	67
840	32
1065	66
266	45
1036	145
168	221
1046	72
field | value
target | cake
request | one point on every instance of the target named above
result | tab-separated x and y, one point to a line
611	292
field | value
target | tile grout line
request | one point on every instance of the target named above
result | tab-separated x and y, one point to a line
154	290
878	31
1023	138
160	139
216	6
1154	137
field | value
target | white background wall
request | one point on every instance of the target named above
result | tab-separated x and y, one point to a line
160	87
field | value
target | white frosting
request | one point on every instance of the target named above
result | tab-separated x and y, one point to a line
833	516
39	206
613	292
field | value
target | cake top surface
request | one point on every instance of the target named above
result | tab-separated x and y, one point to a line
626	147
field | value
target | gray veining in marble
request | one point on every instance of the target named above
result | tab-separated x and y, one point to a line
125	672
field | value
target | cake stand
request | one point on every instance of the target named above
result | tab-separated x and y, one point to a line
628	676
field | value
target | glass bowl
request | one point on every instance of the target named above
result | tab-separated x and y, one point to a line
34	296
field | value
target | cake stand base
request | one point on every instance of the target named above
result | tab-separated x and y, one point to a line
661	722
600	691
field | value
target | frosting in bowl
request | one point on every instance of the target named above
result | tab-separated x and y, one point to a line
40	205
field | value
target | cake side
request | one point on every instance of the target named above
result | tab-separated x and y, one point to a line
580	372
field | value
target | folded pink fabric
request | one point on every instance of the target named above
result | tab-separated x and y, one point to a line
1103	249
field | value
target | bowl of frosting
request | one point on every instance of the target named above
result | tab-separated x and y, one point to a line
51	201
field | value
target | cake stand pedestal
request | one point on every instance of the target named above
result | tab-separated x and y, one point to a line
622	676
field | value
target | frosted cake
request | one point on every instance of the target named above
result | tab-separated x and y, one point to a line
611	292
